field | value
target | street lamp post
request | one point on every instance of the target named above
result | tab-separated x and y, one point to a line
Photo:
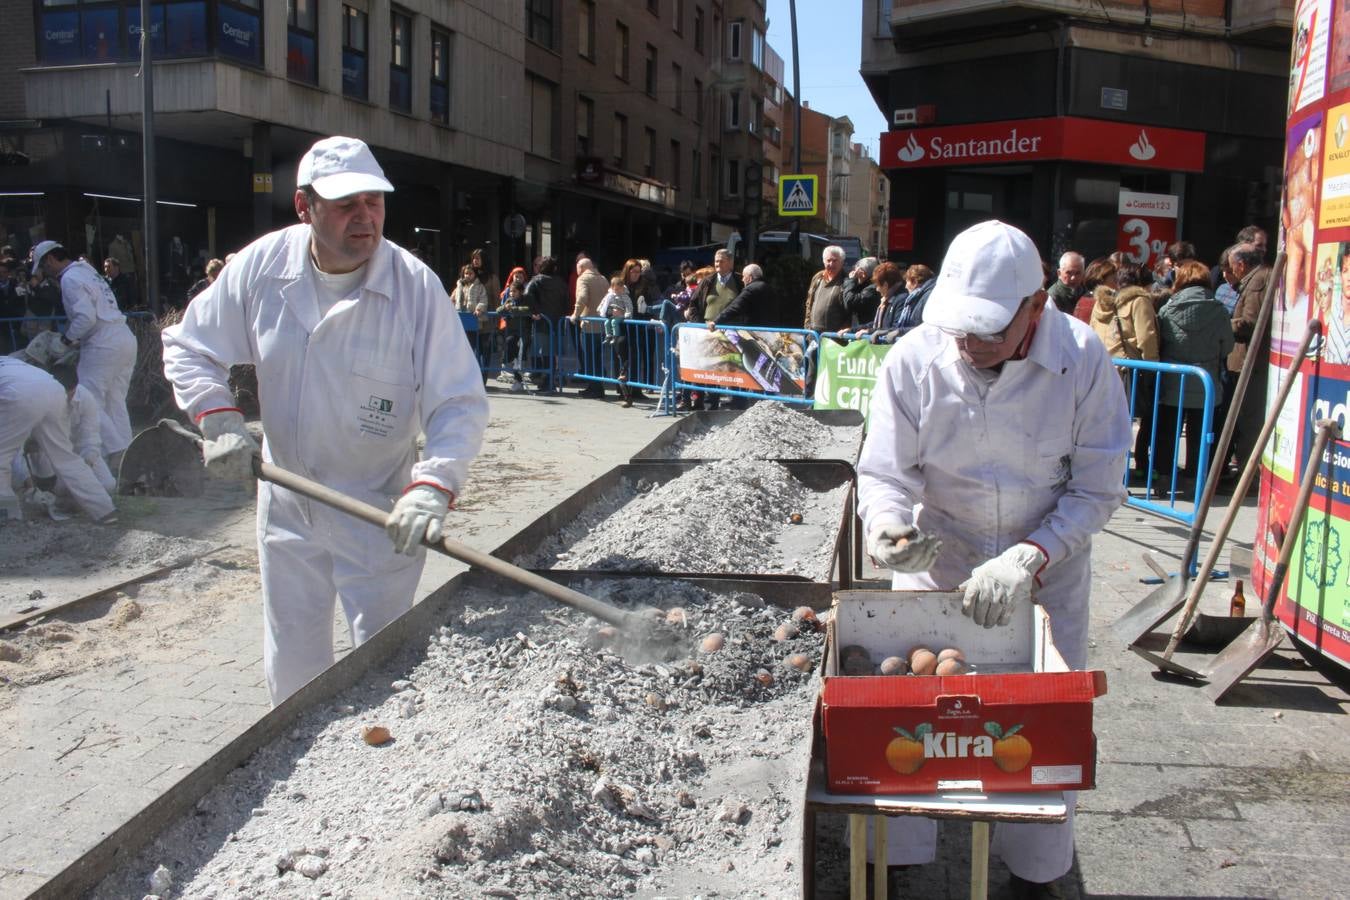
148	161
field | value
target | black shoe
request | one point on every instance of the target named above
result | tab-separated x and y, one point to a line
1021	889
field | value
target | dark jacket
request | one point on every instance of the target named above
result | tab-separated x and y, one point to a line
1064	296
121	288
45	299
547	294
1195	330
751	306
906	313
699	305
861	300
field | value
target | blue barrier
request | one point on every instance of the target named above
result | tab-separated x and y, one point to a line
521	344
644	356
758	364
1148	401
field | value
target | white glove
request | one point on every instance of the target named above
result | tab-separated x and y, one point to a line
902	548
419	513
90	457
227	449
997	587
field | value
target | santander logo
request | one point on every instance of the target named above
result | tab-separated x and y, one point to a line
1141	149
911	152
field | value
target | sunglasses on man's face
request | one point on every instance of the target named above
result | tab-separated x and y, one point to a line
997	337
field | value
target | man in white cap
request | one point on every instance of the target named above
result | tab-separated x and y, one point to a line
999	427
358	350
98	328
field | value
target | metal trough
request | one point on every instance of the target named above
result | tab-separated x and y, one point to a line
662	446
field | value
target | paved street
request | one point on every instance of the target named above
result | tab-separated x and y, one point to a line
1247	799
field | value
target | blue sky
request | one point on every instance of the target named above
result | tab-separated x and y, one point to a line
829	40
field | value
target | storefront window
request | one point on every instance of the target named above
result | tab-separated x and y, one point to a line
93	31
440	77
354	80
302	28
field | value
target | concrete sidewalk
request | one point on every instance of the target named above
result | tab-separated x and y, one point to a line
82	754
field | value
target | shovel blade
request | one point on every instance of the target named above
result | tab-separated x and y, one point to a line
1152	611
1166	664
161	463
1239	658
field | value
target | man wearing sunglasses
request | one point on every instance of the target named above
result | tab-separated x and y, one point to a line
996	450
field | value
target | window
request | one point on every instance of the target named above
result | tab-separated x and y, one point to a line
621	50
543	113
440	76
585	126
677	16
756	114
620	138
400	61
757	48
733	178
302	32
733	110
539	22
238	31
649	152
696	169
717	41
677	85
698	29
355	78
734	41
649	74
94	31
586	29
675	164
698	100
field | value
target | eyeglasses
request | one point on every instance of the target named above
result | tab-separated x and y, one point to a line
997	337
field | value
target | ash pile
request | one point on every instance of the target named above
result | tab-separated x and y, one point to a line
727	516
770	430
526	756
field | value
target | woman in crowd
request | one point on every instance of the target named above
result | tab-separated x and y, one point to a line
908	312
486	277
1195	330
1124	320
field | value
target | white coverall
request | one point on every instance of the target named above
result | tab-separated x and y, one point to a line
1037	455
107	347
344	396
86	421
33	403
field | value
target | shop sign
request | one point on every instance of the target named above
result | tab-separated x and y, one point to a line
1147	224
590	169
1027	140
1335	209
900	234
238	34
59	37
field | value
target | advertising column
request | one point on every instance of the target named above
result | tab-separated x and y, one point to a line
1315	236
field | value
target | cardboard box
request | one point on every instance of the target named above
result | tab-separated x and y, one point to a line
1021	722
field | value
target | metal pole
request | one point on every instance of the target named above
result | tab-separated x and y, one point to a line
796	117
148	161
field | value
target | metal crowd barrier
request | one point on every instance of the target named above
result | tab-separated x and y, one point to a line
811	350
1155	392
17	331
583	355
520	344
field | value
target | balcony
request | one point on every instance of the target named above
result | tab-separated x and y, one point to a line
1266	20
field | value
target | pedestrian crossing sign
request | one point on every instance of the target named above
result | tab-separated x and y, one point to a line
797	195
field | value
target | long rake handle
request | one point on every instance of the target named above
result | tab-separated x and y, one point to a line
1197	587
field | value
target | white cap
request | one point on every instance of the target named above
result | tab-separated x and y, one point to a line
41	250
990	268
339	167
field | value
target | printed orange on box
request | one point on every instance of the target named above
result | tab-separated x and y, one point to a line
1021	722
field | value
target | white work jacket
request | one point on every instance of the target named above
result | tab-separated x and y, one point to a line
89	303
344	395
1037	455
86	421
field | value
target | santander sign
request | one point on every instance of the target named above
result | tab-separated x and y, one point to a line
1025	140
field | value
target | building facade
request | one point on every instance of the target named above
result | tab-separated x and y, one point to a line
868	201
826	152
1072	119
526	127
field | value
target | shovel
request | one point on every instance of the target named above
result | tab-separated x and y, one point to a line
1148	613
164	460
1197	587
1261	638
646	630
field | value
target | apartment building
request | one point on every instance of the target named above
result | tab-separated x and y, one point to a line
826	152
526	127
868	200
1052	114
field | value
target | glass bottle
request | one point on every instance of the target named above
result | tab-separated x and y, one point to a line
1238	605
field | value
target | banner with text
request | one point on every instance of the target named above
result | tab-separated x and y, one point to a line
770	362
847	374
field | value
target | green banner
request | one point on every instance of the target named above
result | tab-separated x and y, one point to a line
847	373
